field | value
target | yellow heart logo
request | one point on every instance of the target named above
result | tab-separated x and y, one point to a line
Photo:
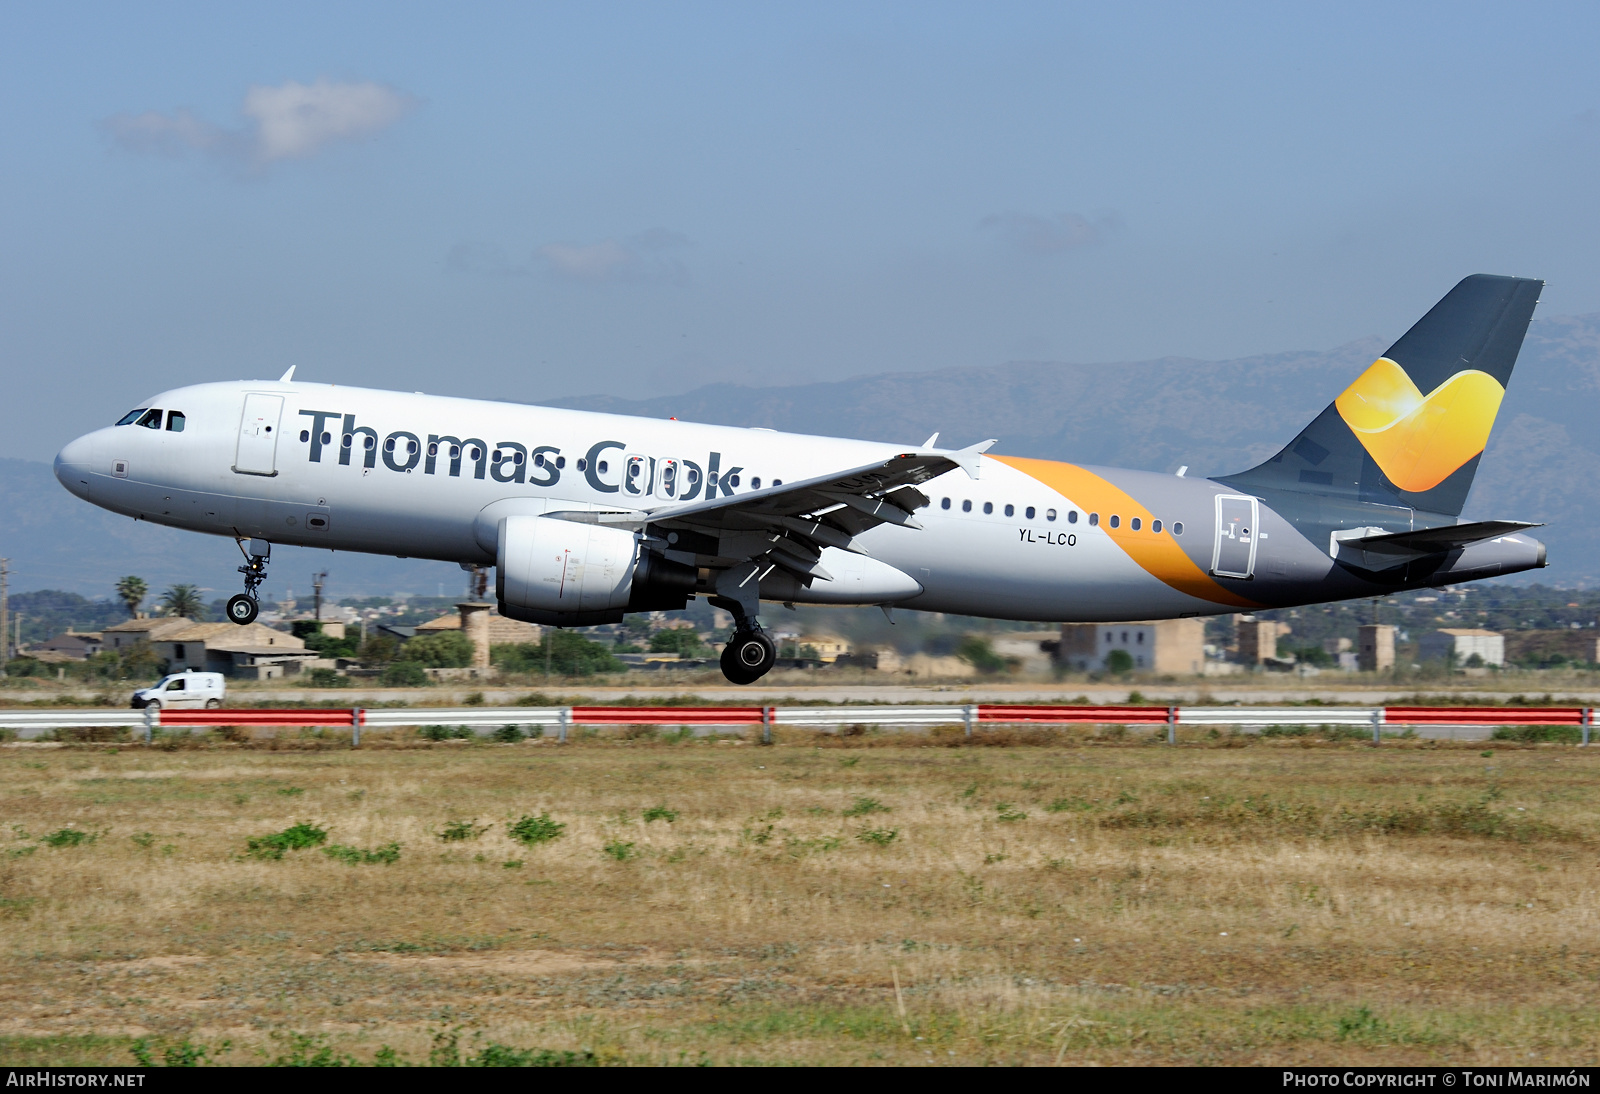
1420	440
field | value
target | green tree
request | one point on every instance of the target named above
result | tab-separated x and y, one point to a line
379	649
1119	661
679	640
404	674
138	661
311	632
131	591
569	654
183	600
445	650
979	653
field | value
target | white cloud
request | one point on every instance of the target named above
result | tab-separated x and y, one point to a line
165	134
603	261
1050	235
645	257
295	120
291	121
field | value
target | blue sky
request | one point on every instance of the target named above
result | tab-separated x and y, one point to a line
530	201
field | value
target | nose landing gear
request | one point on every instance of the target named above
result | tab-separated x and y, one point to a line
243	607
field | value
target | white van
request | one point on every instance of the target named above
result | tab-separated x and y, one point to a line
183	690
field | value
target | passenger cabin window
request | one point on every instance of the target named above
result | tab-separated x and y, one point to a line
966	506
1155	526
1177	528
1134	524
1116	521
988	507
944	503
1050	514
1030	511
1094	520
176	420
755	483
1011	510
151	419
1072	516
130	417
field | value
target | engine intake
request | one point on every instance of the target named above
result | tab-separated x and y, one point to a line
563	574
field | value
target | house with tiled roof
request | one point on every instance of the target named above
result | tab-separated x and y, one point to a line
253	652
70	646
502	631
131	631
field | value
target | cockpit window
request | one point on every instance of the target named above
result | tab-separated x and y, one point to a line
151	419
175	421
131	416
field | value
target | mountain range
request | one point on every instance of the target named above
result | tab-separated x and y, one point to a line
1542	462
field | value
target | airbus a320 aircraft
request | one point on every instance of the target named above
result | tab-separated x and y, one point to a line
586	517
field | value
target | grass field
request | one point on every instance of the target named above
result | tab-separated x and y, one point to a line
901	899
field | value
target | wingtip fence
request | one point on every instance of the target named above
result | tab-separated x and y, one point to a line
35	723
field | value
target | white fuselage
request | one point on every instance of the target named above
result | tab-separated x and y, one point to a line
353	469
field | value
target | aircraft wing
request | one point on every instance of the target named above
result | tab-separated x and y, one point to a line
789	525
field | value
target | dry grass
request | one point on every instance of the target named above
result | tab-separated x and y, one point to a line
1062	900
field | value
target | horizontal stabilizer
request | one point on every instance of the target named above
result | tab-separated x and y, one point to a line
1432	541
1375	549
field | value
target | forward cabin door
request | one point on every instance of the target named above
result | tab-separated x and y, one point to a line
258	435
1235	554
638	475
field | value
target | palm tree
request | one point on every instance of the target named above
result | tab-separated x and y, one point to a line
183	600
132	590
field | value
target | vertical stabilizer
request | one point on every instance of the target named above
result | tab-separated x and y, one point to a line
1410	430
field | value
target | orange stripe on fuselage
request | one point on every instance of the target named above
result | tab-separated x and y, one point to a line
1156	553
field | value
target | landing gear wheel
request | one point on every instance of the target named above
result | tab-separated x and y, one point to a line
242	609
748	656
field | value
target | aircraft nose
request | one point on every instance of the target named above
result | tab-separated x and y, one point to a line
74	464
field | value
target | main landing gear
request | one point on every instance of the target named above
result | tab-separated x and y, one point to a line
750	653
243	607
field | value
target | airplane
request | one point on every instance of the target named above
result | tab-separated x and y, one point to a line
586	517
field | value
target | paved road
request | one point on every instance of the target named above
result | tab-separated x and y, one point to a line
1270	693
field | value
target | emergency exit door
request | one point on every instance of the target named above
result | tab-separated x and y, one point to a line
1235	554
258	435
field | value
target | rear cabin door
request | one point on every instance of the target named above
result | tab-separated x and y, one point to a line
258	435
1235	554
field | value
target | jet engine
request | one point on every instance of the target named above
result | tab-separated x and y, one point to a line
564	574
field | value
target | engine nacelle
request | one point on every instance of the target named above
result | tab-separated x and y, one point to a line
563	574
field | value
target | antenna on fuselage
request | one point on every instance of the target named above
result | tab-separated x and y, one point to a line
287	376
